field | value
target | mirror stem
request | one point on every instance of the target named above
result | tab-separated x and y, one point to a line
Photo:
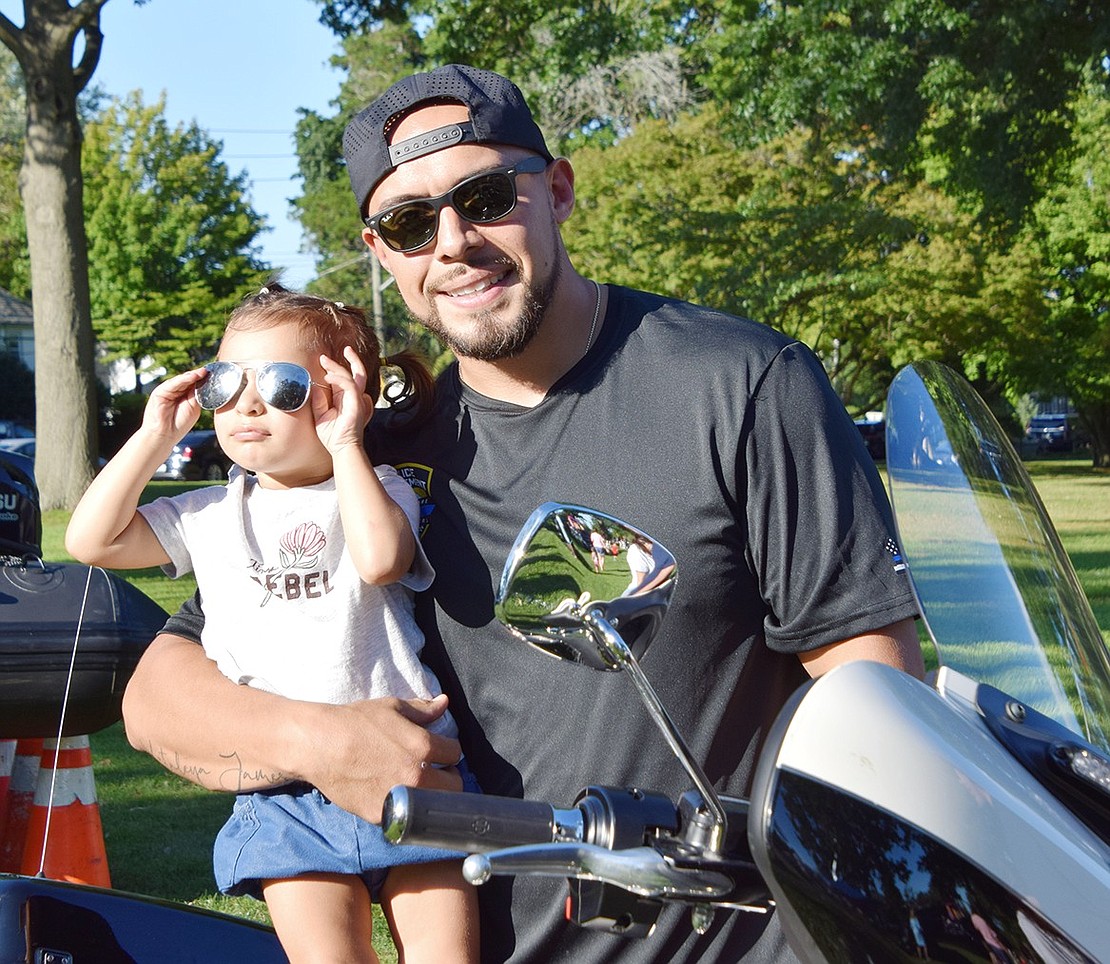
617	650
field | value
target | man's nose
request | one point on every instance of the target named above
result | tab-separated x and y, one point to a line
455	234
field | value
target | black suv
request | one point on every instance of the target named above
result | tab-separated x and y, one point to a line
873	433
197	456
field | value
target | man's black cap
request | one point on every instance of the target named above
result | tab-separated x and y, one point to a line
498	115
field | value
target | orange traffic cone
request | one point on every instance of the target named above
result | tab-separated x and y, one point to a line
71	824
21	794
7	758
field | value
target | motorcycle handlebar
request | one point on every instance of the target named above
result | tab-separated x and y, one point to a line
473	823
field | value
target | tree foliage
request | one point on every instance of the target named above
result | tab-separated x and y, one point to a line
887	180
1068	255
171	236
975	93
824	251
14	270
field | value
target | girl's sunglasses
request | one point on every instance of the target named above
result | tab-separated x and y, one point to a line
282	385
480	199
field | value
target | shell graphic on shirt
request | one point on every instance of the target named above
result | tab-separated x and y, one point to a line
299	549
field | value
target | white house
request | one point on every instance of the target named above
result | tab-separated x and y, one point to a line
17	328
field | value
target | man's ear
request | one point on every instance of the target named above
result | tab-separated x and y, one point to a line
560	177
378	248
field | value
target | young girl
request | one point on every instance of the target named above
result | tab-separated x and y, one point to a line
307	561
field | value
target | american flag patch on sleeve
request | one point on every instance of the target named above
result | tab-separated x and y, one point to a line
896	555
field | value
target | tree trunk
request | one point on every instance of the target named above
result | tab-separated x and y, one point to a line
65	425
1096	419
51	187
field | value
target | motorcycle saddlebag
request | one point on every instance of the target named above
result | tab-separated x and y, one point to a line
49	921
41	618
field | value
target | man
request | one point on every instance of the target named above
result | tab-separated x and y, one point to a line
720	437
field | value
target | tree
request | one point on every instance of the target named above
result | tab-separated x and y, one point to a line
1061	264
807	241
874	177
975	95
13	236
170	236
51	188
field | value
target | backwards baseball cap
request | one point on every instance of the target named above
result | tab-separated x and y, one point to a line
498	115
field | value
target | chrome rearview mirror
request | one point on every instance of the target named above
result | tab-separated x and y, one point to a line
569	561
586	587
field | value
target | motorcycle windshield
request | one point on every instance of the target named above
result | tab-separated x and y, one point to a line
998	594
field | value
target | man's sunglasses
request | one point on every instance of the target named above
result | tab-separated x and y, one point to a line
480	199
282	385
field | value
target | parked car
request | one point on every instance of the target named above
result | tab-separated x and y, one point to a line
10	429
25	448
197	456
20	445
873	431
1053	433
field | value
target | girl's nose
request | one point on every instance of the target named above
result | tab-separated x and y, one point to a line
249	401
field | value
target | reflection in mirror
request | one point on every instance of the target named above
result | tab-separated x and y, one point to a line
568	560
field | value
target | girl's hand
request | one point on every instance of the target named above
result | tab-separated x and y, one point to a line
172	408
343	421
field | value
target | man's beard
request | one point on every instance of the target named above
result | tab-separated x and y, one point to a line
492	339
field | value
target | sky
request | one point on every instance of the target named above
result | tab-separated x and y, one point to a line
240	69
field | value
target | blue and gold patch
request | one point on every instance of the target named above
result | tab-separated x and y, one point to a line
419	477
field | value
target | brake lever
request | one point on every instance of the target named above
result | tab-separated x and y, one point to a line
640	870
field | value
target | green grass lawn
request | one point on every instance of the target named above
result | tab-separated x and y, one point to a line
159	829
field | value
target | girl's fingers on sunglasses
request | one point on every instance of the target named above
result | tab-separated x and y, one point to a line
358	369
340	376
180	385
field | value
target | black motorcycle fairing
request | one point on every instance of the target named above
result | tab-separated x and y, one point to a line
1077	772
47	920
846	869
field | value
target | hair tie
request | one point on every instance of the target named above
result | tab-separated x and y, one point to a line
340	305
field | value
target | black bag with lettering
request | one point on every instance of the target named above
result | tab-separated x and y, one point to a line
54	614
20	515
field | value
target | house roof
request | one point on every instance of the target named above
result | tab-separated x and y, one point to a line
14	311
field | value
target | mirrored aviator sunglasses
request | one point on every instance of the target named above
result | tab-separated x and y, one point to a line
281	385
481	199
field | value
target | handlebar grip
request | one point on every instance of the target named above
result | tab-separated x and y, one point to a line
470	822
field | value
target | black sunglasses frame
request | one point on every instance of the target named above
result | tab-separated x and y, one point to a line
271	394
529	165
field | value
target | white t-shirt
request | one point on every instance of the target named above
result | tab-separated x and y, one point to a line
285	609
640	563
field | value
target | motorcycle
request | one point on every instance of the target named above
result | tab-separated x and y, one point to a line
964	819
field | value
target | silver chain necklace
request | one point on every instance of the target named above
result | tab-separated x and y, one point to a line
593	324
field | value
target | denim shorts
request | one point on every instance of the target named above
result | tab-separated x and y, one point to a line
294	830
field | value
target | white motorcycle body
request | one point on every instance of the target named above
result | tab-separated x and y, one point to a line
969	819
879	796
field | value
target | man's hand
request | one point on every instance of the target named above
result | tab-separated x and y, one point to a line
360	751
